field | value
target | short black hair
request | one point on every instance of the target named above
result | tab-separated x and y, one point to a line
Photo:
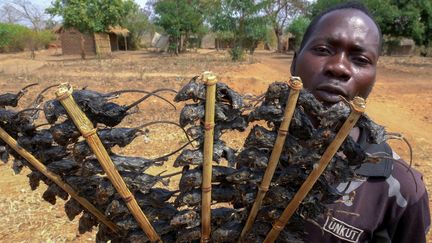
347	5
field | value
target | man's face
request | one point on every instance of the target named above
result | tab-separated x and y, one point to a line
340	56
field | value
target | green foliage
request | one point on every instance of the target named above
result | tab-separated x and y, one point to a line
172	48
255	31
15	37
321	5
240	22
298	28
415	20
90	16
224	35
179	18
425	51
12	37
281	13
398	18
138	24
43	38
271	37
237	53
222	24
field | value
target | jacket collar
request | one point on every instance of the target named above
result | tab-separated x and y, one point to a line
381	169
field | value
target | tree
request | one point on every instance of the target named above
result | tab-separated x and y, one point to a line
24	11
138	24
426	18
179	18
15	37
244	20
416	19
90	16
12	37
9	14
222	24
397	18
280	13
298	27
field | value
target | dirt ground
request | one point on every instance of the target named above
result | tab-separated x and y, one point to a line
401	101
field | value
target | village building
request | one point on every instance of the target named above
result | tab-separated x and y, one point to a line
114	39
399	46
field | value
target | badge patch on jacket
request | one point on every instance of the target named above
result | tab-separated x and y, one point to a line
342	230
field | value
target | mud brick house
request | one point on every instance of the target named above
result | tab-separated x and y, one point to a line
399	47
97	43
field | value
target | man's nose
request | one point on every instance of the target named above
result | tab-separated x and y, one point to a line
338	66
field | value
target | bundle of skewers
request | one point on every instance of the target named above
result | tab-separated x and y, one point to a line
293	158
274	162
64	152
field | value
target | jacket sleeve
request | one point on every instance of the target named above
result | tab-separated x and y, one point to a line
414	223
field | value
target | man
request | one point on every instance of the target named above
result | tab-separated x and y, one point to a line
338	57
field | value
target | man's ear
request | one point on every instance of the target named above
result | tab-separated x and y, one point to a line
293	64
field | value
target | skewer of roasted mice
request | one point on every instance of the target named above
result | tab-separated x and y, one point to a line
175	212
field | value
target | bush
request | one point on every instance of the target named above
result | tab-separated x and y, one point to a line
298	28
44	38
424	51
237	53
138	24
15	38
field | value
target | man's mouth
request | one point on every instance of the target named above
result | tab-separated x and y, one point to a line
330	93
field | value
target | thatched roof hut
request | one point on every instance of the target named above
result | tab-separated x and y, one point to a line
103	43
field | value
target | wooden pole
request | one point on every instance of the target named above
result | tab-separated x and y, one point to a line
57	180
358	106
210	81
64	95
296	85
126	45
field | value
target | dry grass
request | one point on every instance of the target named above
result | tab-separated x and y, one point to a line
26	217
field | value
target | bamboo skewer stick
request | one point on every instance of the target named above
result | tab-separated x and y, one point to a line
296	85
210	81
358	106
57	180
64	95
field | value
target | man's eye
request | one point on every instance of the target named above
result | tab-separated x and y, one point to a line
361	60
321	50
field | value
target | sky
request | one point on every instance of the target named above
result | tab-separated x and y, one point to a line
42	4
